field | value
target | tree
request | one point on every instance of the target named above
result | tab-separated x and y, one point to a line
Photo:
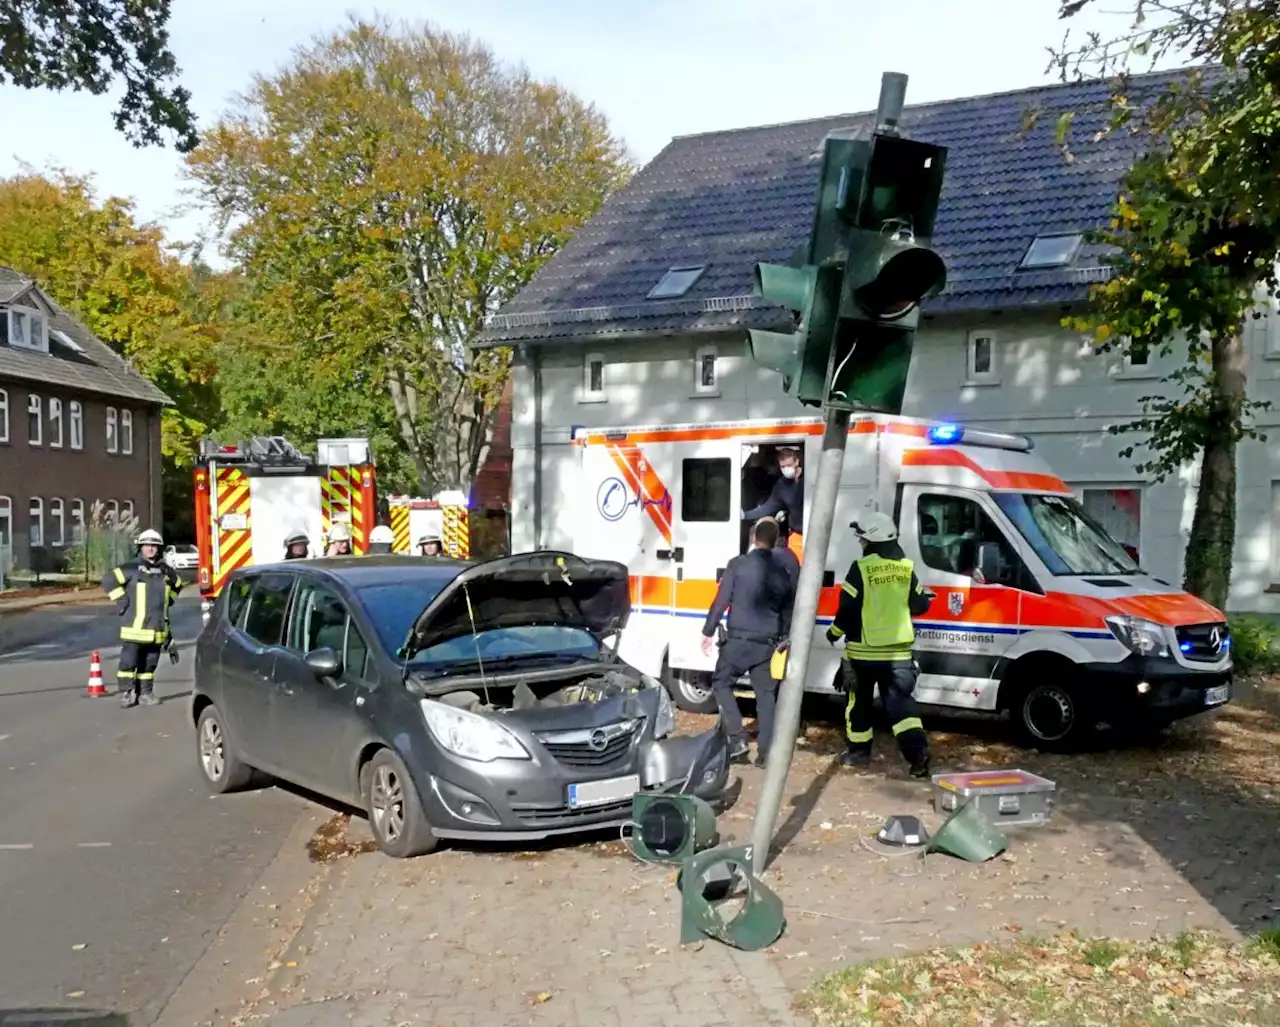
381	197
117	278
90	44
1196	232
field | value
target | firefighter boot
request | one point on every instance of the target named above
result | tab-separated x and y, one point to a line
920	767
148	699
856	759
128	697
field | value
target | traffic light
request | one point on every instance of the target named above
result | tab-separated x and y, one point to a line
813	293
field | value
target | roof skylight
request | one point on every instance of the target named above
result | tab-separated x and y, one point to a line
1050	251
676	282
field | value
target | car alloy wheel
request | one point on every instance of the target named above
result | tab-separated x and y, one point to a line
386	799
1049	713
213	753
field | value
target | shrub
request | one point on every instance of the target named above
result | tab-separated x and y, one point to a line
1253	645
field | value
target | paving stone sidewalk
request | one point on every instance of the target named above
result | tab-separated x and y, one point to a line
585	935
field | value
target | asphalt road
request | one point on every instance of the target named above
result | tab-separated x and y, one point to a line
117	869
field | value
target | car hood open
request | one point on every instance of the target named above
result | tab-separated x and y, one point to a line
542	588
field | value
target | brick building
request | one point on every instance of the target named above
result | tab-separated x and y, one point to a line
78	425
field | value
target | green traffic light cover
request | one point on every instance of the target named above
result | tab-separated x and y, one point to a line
786	286
904	274
669	828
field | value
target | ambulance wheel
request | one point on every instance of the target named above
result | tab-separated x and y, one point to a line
689	690
1048	714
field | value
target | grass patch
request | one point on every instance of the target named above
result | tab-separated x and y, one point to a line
1194	980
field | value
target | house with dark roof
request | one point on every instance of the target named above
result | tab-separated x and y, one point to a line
641	318
78	426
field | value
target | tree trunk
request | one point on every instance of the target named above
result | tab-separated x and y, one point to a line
404	399
1213	529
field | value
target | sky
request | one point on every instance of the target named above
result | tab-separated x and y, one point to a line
656	68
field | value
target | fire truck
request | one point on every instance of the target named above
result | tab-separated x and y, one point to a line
444	516
251	495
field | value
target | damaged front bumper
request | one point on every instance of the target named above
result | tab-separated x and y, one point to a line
509	802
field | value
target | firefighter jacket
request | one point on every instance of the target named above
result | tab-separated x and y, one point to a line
879	597
142	592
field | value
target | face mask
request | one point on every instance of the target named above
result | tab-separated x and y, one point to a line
788	472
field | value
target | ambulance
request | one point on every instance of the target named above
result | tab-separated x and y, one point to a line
1039	614
250	495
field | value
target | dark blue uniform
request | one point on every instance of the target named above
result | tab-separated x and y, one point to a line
757	591
785	502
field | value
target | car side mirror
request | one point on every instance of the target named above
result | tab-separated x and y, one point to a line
324	662
991	568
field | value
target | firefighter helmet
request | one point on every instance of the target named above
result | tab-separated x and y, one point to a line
150	537
382	534
340	532
875	527
430	537
295	538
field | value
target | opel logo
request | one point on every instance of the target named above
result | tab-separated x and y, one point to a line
598	740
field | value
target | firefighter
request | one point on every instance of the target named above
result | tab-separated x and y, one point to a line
339	543
142	590
757	592
431	545
297	546
879	597
381	539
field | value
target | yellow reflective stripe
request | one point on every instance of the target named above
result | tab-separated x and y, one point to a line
850	589
119	575
137	634
125	673
837	632
908	724
859	737
870	654
140	601
146	676
117	593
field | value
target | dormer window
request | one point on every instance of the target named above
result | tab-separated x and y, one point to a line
28	329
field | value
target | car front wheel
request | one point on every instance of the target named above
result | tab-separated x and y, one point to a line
223	770
1049	715
396	816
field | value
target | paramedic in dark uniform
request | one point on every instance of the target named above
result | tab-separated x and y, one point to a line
786	501
757	592
879	597
142	591
297	546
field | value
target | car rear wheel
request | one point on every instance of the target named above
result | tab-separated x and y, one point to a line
396	817
223	770
689	689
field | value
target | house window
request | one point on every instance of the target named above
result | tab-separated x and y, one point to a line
4	416
1050	251
57	523
77	425
55	423
593	378
111	511
1138	354
126	432
6	530
126	512
34	427
705	489
27	329
676	282
1119	512
705	378
980	360
77	522
36	530
113	444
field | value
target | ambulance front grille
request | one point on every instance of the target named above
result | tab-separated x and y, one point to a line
1204	643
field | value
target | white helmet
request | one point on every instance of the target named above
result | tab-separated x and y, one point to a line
150	537
382	534
875	527
340	532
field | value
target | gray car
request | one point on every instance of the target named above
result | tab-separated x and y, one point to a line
449	700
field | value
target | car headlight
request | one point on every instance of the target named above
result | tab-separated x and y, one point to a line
1144	637
470	735
665	723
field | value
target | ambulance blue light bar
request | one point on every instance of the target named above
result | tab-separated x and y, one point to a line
948	433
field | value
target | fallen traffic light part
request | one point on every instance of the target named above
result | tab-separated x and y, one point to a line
969	835
720	876
903	831
670	828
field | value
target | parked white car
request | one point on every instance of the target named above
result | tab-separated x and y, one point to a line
182	558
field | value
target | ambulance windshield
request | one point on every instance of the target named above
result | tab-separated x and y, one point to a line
1064	536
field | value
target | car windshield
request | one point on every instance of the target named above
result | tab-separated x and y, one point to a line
394	608
1064	536
537	640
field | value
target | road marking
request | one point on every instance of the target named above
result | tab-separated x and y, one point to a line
8	848
93	845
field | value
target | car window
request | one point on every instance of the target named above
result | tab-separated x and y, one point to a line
356	658
499	643
392	609
951	528
237	598
319	621
268	606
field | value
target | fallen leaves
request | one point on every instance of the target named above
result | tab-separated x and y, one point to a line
1195	980
332	842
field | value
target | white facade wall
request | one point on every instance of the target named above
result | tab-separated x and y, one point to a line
1042	382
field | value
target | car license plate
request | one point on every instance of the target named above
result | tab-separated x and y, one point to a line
596	793
1217	696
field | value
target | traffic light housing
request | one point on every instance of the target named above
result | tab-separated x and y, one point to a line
868	267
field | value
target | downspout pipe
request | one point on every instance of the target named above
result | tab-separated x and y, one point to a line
532	359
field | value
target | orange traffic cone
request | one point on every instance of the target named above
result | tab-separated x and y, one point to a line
96	687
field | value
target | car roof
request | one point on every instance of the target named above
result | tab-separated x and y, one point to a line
364	571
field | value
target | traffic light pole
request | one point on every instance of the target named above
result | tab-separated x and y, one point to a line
804	616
